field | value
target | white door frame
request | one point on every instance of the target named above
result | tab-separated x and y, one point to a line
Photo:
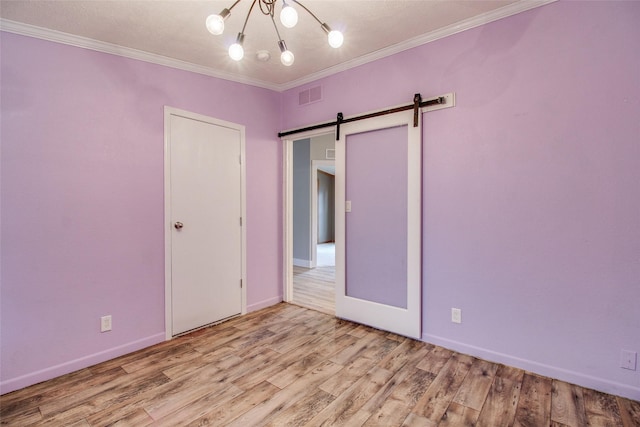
287	226
315	165
168	231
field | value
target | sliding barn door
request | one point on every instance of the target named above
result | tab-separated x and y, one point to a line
378	223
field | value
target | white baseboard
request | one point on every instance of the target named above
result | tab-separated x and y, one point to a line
77	364
573	377
302	263
264	304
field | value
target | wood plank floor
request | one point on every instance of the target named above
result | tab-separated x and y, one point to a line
315	288
291	366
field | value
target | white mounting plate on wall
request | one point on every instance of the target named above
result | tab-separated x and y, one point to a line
449	102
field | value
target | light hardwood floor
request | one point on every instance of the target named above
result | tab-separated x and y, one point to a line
315	288
287	365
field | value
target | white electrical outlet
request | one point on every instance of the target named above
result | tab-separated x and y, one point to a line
628	359
456	315
105	323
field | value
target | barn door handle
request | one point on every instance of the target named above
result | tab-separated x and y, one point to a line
178	225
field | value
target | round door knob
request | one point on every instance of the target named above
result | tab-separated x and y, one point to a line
178	225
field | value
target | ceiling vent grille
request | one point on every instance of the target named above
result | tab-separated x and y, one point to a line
310	95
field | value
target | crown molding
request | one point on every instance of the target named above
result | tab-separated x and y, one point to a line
114	49
458	27
126	52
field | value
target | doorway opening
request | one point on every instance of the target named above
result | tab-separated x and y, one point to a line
310	207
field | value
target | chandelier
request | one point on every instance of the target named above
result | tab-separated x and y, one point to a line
288	18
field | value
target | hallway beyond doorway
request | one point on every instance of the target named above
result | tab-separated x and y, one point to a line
326	255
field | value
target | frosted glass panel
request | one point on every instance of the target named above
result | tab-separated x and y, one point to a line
376	227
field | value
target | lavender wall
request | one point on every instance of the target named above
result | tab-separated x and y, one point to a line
531	215
82	201
531	207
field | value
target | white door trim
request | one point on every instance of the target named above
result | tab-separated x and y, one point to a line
287	217
168	112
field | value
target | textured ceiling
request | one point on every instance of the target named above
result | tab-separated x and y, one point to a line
176	29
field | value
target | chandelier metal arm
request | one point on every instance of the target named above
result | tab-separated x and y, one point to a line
288	16
227	11
310	13
233	5
269	7
248	14
276	27
323	25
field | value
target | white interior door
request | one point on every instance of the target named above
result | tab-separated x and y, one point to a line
204	220
378	224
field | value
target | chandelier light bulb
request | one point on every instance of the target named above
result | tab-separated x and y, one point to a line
236	51
335	39
287	58
215	24
288	16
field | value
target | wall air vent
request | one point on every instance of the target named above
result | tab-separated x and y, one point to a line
330	154
310	95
